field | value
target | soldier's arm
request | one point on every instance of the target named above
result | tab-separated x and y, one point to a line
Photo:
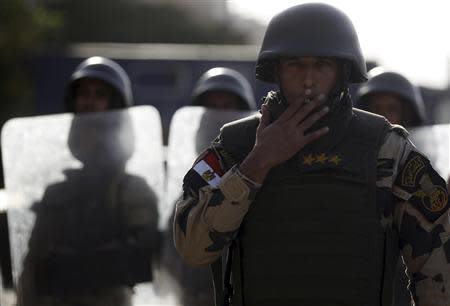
214	202
420	213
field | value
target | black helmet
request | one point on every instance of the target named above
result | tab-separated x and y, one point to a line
390	82
104	69
226	79
312	29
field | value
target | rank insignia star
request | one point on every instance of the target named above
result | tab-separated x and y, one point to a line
335	160
308	160
322	158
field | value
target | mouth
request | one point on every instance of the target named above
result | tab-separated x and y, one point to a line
309	97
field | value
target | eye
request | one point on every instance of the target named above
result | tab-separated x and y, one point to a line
323	63
82	92
291	63
102	93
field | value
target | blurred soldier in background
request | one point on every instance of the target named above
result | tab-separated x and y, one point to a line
223	89
219	90
95	232
393	96
98	84
312	201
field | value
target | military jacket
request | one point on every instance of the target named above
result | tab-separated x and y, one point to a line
411	200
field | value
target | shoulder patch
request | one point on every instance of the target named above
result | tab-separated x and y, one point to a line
427	189
207	170
413	167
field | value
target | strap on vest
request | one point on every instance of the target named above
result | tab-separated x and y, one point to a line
236	268
390	263
223	289
216	271
377	128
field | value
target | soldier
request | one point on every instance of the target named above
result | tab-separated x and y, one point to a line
98	84
393	96
313	200
222	90
95	232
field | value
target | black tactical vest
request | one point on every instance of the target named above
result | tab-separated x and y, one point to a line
313	234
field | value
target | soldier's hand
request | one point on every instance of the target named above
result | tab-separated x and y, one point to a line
278	141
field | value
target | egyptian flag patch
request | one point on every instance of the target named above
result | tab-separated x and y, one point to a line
207	170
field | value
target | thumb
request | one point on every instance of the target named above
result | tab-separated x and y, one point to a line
265	118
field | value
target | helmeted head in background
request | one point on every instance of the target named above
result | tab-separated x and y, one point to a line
312	30
225	89
98	84
393	96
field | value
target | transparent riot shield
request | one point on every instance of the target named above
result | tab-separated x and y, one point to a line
84	200
192	130
434	142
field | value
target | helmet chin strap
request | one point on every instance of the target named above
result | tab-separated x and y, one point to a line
340	90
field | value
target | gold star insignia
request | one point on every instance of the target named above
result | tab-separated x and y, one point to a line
420	194
321	158
335	159
308	160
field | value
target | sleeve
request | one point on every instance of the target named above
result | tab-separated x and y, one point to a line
420	214
216	197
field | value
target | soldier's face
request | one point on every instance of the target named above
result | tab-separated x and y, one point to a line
92	95
221	100
304	79
387	105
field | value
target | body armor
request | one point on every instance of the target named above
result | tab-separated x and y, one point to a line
313	234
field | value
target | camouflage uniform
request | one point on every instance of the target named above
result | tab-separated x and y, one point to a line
412	201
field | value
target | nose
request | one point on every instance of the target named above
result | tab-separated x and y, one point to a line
308	80
85	102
